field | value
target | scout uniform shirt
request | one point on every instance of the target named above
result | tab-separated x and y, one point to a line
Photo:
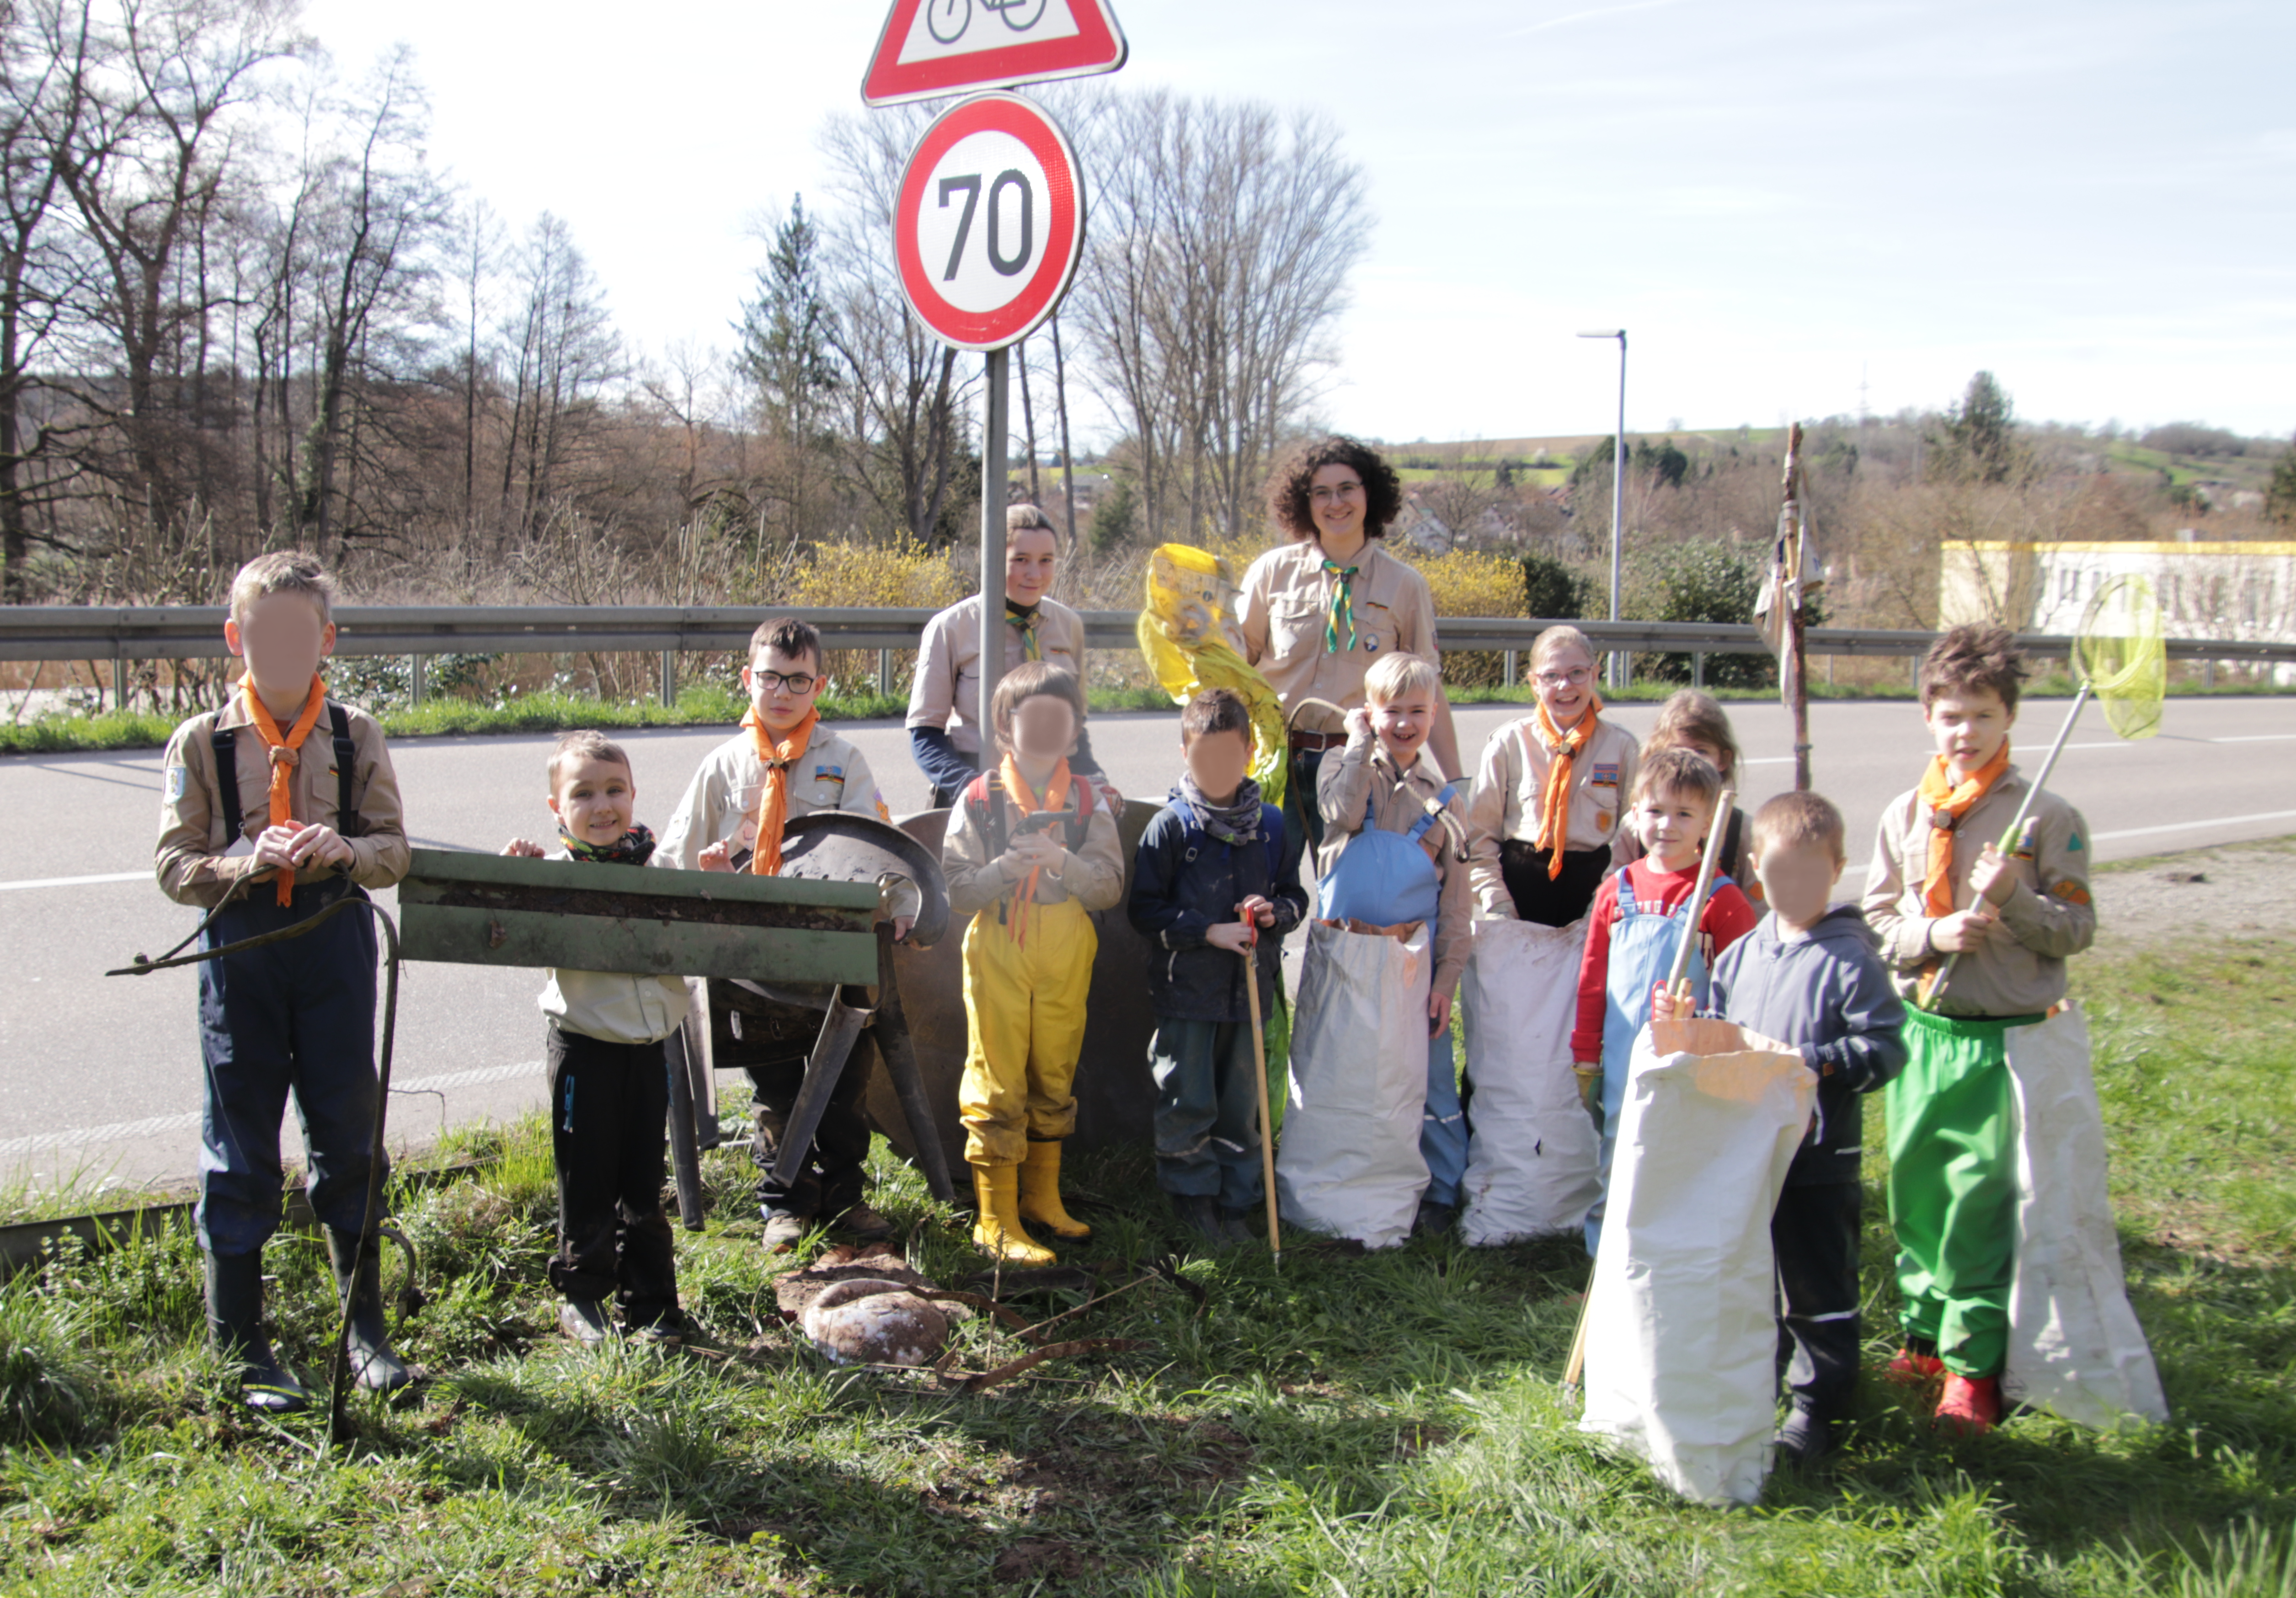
945	693
625	1007
197	864
1286	604
2020	968
1505	802
1093	875
721	803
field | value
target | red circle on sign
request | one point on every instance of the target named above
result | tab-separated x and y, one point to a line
1055	265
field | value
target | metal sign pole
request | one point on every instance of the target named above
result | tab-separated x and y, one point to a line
994	429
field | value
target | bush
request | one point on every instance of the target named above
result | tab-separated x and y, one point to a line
901	575
1466	582
1702	581
1553	590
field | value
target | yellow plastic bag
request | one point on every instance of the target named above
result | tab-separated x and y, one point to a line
1183	634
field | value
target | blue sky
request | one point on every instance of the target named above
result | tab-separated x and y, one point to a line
1780	201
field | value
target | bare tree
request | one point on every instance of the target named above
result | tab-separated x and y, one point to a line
565	352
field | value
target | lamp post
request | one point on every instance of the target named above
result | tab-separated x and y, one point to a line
1618	673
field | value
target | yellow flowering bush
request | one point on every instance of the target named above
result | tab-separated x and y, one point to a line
901	575
1467	582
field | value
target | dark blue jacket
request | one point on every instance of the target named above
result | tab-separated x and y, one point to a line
1830	995
1183	881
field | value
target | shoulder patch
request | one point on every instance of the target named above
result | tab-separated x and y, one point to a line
2074	842
178	779
2070	891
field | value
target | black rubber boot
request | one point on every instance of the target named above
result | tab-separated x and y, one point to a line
234	1284
373	1365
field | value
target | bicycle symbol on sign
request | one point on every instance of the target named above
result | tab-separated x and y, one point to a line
948	19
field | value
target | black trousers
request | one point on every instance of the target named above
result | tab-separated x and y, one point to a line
609	1108
829	1183
1554	901
1813	1236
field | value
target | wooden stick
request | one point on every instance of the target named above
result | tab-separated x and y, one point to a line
1260	1058
1576	1365
1677	982
1793	679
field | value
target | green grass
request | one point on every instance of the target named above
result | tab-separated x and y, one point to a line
1388	1424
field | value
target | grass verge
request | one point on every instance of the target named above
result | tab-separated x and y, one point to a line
1387	1424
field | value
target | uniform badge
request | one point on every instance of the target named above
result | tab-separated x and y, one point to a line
1602	821
177	776
1605	776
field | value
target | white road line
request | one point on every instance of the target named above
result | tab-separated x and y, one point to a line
111	876
2187	826
189	1120
2257	738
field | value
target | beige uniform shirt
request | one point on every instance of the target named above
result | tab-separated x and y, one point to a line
946	690
1506	803
2020	968
1093	875
1287	599
615	1006
190	861
1362	774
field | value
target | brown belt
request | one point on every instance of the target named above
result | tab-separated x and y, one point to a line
1309	742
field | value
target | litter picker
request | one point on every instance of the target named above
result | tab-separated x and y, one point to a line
2122	660
1260	1058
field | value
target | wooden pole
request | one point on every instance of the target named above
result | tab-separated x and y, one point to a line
1260	1058
1793	681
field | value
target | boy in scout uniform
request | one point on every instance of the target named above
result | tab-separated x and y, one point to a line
274	808
784	764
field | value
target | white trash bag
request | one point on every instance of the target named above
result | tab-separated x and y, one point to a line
1531	1157
1681	1332
2075	1347
1348	1159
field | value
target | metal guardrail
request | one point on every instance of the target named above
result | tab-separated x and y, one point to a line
195	632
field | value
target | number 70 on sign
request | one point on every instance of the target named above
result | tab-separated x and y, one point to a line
989	222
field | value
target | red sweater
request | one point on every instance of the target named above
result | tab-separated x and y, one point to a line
1727	918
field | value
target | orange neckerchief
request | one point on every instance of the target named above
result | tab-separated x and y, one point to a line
283	756
1939	797
772	795
1554	797
1056	797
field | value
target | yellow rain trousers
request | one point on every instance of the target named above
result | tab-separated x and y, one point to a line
1024	1016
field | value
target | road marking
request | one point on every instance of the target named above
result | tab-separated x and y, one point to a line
111	876
2187	826
189	1120
2257	738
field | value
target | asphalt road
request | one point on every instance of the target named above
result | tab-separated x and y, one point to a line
99	1079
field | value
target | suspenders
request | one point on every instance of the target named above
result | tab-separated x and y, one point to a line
224	742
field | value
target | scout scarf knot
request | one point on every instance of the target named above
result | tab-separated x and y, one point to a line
1235	822
1056	798
1343	608
283	747
1946	804
633	847
1024	620
1554	796
773	794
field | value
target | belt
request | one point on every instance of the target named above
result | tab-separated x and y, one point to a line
1309	742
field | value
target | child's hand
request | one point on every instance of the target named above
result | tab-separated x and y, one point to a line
1991	879
1261	911
289	847
902	925
1233	936
521	849
1666	1006
1030	851
1438	1013
1961	931
1359	724
717	857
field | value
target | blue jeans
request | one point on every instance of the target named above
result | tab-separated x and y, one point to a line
1443	1126
1206	1111
296	1016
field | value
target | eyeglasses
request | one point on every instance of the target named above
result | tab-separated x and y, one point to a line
1576	677
798	683
1325	494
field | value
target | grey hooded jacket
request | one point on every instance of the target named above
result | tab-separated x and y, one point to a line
1829	994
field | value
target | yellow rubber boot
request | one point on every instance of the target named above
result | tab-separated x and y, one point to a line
999	1233
1040	1193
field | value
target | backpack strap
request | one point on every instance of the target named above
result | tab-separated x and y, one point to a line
347	817
224	742
987	815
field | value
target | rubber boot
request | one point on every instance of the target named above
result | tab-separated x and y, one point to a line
234	1284
373	1365
999	1233
1040	1193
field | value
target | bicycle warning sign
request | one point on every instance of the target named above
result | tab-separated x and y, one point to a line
935	47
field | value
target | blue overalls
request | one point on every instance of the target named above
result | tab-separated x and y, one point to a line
1386	879
1643	946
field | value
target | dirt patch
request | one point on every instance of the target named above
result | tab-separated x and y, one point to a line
2244	889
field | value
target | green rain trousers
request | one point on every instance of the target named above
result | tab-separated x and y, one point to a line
1953	1186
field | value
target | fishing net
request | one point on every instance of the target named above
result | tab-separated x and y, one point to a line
1184	634
2121	656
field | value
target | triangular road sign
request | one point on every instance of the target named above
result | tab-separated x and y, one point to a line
931	48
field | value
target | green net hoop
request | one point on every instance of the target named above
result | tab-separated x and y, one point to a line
2122	654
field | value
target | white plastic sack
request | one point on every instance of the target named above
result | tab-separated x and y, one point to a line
2074	1344
1531	1157
1348	1163
1681	1332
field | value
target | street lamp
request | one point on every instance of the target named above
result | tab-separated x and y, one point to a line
1618	489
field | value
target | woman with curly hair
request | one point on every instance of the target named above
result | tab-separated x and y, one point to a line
1317	614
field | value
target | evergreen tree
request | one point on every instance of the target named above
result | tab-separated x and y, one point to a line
2280	494
785	330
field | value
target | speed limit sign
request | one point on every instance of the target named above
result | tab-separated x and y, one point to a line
989	223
